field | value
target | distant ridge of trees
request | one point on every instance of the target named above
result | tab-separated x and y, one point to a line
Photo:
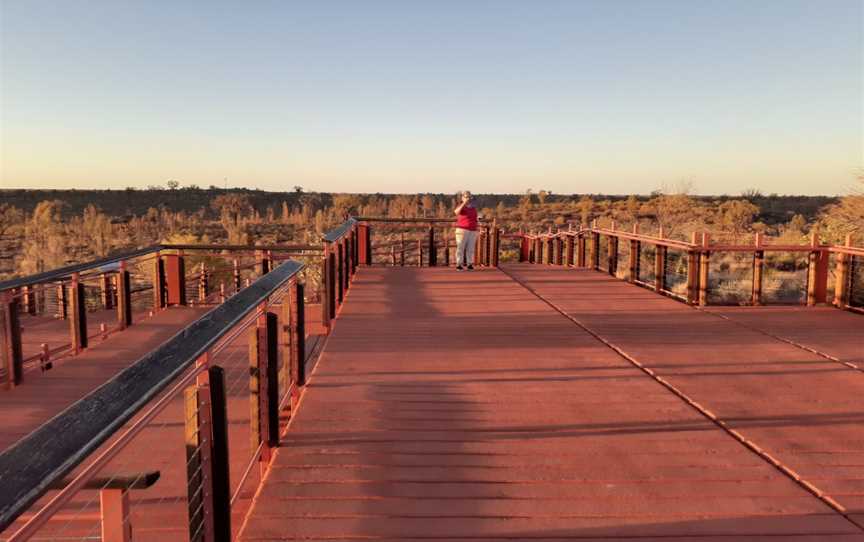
135	202
44	229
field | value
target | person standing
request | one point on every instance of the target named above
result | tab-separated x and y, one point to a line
466	231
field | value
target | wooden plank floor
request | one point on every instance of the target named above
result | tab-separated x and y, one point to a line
823	329
158	513
462	406
42	395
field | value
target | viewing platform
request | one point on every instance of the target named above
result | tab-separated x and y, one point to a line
577	385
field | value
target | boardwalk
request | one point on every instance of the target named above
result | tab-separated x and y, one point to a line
43	395
157	513
539	402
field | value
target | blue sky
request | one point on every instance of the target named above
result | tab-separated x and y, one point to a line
614	96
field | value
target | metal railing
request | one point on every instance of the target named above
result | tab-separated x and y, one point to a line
191	395
422	242
53	315
343	249
700	272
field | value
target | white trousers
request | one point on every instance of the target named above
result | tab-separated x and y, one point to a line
465	241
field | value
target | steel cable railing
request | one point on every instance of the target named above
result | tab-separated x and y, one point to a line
676	273
703	272
146	401
730	278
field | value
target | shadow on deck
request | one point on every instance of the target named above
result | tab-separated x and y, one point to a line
550	403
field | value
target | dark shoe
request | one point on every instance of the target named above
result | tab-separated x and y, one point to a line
470	268
458	268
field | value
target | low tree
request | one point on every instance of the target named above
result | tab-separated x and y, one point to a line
736	216
233	209
11	218
45	241
586	209
96	230
845	217
673	211
632	205
541	196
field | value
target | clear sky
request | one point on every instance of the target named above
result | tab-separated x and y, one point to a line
613	96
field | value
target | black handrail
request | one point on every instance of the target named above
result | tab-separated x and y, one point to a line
30	467
340	231
64	272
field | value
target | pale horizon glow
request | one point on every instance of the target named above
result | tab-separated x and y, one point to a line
586	96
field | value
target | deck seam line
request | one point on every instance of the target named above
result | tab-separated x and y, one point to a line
806	348
735	434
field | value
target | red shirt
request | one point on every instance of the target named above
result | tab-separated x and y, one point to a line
467	219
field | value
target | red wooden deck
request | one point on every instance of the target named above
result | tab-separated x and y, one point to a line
536	402
158	513
44	394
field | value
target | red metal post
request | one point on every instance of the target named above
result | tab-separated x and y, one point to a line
29	298
331	281
270	406
114	515
158	282
219	455
199	491
325	289
262	383
595	251
78	316
817	277
487	246
659	268
496	246
432	250
758	267
62	302
355	250
634	260
704	266
297	335
365	244
842	277
612	255
11	332
262	263
345	247
340	255
124	294
580	251
175	279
